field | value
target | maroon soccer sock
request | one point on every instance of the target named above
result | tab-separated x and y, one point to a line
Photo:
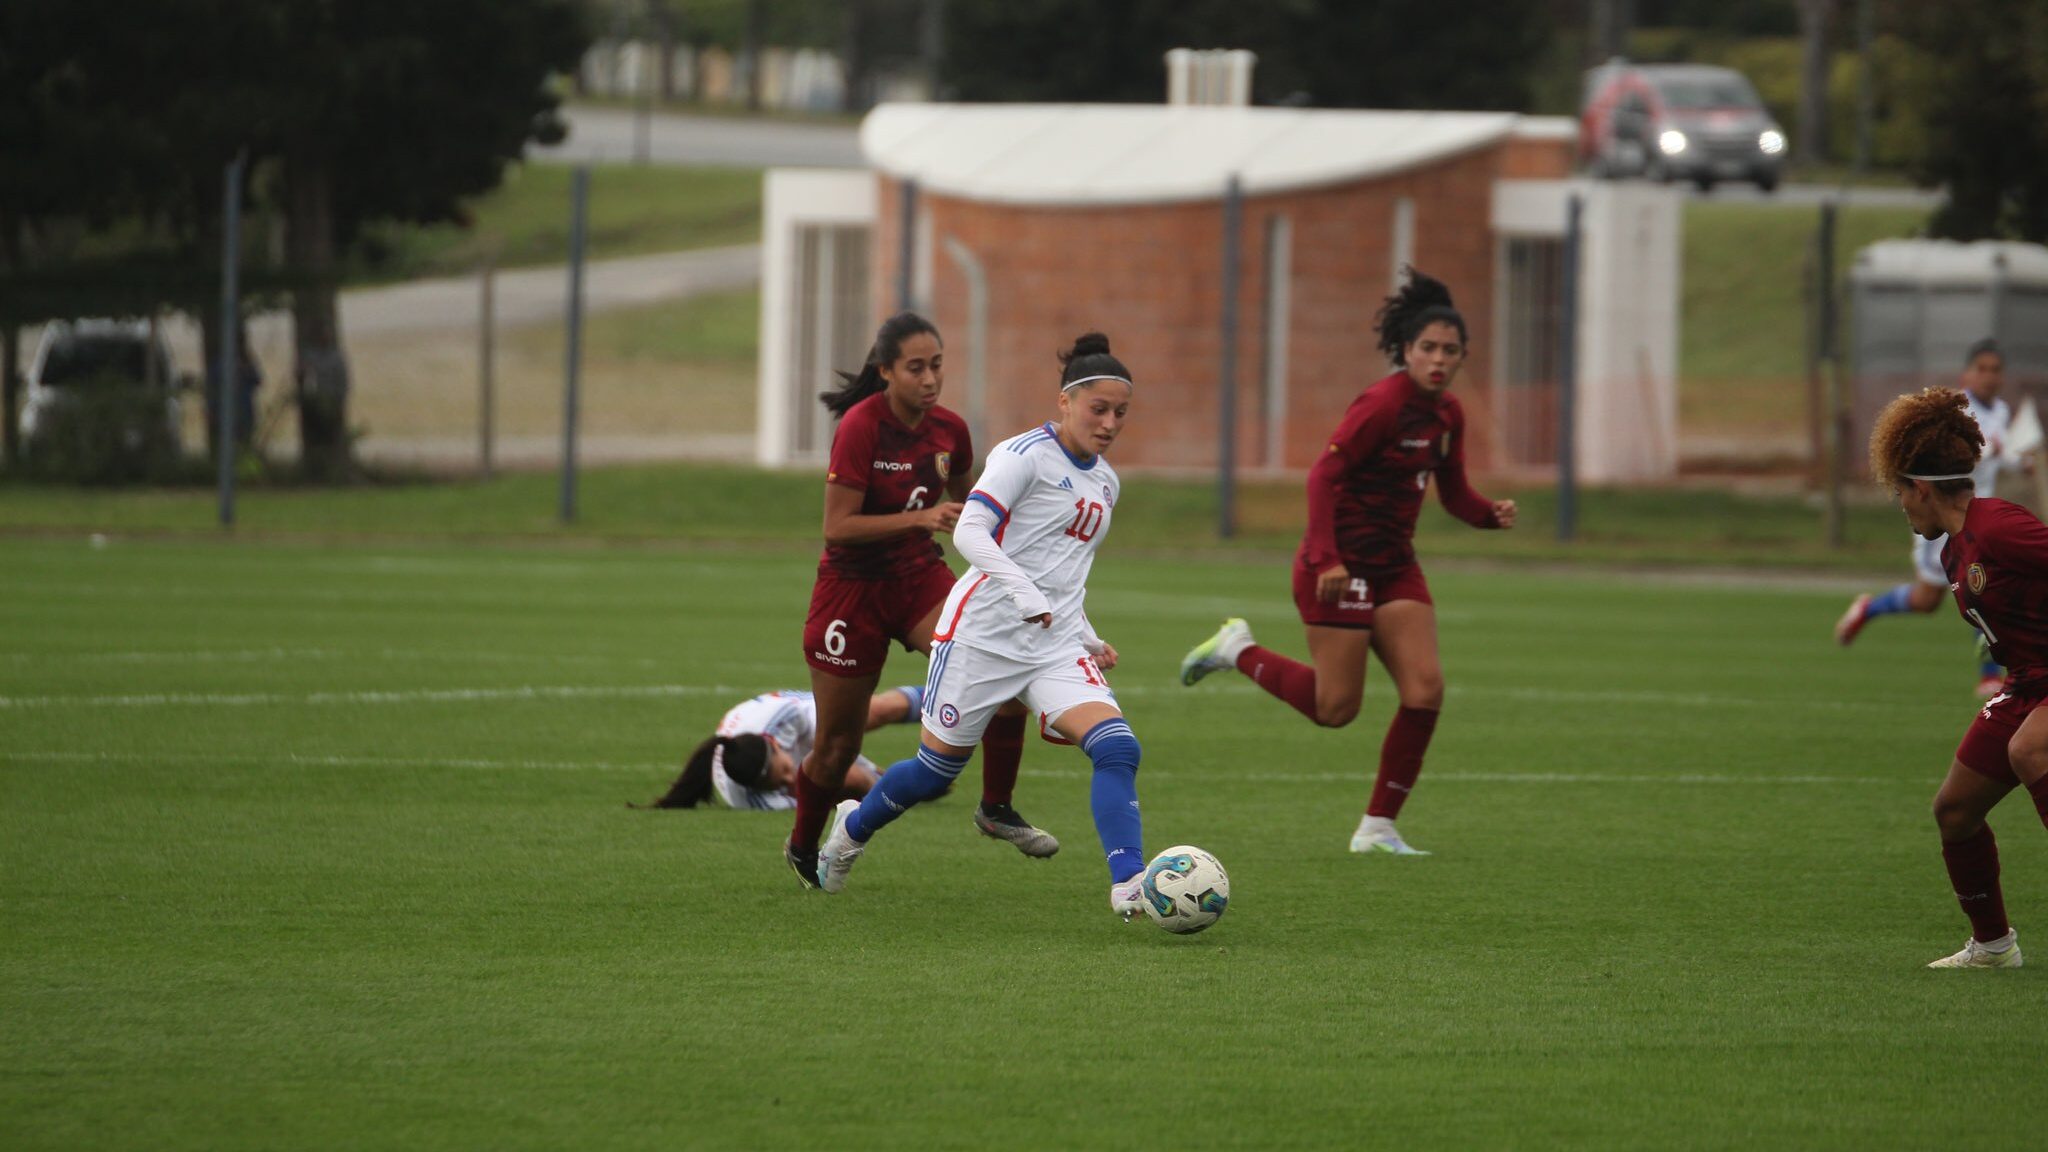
1973	873
813	809
1289	680
1002	750
1401	760
2039	791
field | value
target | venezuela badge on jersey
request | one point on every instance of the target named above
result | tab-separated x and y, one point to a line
1976	578
942	462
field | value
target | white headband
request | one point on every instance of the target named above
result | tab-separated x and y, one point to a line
1092	379
1953	476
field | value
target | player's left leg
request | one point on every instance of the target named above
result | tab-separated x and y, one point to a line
1969	852
1102	733
1404	637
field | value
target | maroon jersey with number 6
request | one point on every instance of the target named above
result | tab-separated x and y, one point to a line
1365	492
899	468
1997	567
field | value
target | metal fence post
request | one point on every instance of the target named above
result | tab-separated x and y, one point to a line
578	212
1226	376
1568	374
906	244
228	384
1830	351
487	368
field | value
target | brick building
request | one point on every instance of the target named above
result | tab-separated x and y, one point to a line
1017	227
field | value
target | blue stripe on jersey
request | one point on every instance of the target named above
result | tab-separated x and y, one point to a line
1002	513
1031	439
941	652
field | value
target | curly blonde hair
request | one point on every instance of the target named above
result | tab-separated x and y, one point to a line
1929	433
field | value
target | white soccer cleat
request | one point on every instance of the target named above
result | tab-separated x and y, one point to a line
836	858
2003	952
1376	834
1218	652
1128	898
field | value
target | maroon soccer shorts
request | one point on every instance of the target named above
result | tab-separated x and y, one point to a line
852	621
1983	749
1354	608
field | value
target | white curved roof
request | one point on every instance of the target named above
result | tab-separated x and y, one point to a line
1076	154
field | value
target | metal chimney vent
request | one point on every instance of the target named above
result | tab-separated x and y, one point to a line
1210	76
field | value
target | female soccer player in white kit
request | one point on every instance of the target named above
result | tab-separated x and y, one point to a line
1014	628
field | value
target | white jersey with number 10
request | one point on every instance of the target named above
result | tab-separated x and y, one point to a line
1052	510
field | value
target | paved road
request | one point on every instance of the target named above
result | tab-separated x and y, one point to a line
534	295
612	134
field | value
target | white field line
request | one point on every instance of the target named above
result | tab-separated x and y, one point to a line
598	692
420	696
282	655
297	760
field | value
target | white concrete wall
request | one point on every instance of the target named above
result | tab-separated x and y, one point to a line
791	198
1629	279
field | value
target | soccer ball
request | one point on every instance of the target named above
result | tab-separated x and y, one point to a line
1186	889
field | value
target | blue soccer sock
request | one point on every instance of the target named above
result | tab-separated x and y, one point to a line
915	694
906	784
1899	599
1113	795
1988	669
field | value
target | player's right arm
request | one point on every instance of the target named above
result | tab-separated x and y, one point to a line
1364	428
1005	482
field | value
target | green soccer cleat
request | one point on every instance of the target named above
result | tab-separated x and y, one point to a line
1216	653
1376	834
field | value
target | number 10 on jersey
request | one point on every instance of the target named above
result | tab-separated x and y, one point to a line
1087	520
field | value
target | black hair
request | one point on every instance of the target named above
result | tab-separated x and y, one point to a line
1089	357
1987	344
887	349
1422	301
745	760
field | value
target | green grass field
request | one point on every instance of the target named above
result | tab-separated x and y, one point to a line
324	844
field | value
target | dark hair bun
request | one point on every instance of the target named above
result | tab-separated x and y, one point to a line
1088	344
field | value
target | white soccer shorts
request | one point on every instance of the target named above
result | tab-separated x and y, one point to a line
966	685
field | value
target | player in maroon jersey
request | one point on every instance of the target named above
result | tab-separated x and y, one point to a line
1925	447
1357	585
901	466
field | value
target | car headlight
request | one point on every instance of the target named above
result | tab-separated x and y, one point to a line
1771	141
1671	142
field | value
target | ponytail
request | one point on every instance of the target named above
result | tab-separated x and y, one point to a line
693	787
887	349
1422	301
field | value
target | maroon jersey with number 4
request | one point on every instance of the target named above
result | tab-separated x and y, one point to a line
1997	567
1365	492
899	468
